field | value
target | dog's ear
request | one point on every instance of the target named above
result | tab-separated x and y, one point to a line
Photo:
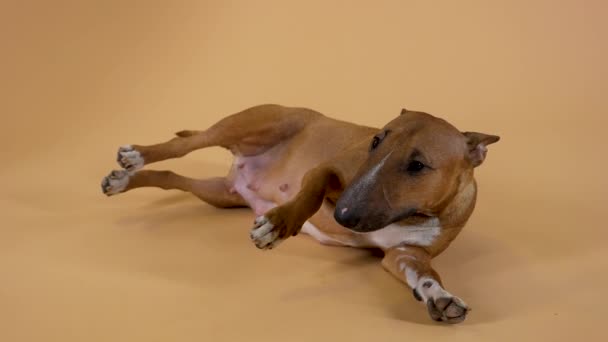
477	143
403	111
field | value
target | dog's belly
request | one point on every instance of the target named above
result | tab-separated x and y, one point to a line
248	187
261	182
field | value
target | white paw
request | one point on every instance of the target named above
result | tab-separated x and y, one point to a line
441	305
114	183
129	158
263	234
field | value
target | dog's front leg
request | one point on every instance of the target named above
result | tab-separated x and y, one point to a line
286	220
412	265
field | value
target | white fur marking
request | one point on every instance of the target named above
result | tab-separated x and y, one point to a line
266	240
130	159
260	219
115	182
411	277
405	256
263	235
370	177
394	234
435	291
262	231
310	229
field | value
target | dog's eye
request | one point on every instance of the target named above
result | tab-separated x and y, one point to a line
375	143
415	166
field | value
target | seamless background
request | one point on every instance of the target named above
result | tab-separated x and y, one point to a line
80	78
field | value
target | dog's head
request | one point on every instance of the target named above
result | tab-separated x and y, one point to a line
416	165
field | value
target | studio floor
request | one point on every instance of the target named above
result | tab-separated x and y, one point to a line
81	78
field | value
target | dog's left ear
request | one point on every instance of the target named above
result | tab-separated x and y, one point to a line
477	143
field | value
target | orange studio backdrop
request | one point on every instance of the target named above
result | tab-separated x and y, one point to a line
80	78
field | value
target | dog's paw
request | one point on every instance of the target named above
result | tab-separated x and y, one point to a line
114	183
129	158
274	227
265	234
447	309
441	305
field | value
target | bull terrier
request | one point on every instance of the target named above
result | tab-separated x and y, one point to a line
407	188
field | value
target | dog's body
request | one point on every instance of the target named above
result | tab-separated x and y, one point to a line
409	194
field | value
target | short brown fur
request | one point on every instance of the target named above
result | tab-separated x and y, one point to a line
294	165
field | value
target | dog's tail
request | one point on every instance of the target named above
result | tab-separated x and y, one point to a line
187	133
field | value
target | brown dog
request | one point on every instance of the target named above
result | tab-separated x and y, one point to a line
407	188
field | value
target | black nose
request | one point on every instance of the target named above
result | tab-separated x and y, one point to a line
346	217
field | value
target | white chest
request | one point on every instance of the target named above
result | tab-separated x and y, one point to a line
387	237
393	235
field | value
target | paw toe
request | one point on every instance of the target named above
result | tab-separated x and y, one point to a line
454	311
261	228
115	182
266	241
447	309
105	184
129	158
442	303
264	235
433	311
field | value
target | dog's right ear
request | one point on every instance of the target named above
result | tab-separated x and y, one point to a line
477	144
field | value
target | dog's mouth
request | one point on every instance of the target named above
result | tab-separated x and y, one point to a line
405	214
422	215
378	222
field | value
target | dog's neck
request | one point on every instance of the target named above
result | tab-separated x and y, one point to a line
457	212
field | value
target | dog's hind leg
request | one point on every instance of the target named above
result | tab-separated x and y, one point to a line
246	133
214	191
